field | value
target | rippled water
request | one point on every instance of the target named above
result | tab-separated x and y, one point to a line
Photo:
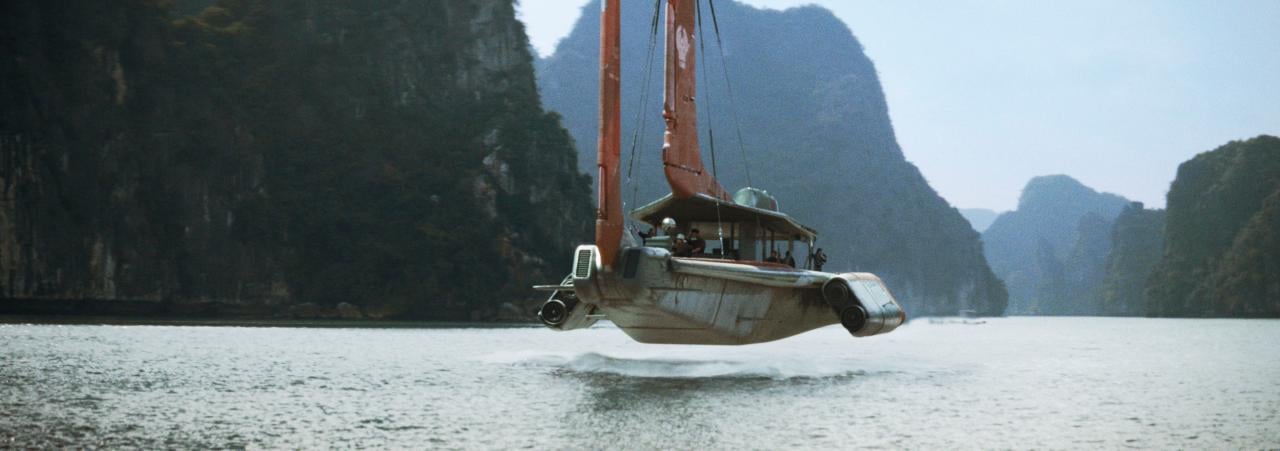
1018	382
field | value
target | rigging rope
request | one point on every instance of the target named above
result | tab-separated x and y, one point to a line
711	134
641	118
733	108
706	90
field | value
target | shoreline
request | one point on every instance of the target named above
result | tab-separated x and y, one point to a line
93	320
138	311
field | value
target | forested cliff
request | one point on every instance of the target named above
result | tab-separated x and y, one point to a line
391	155
1137	244
1222	239
815	132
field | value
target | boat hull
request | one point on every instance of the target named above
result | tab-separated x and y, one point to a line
657	298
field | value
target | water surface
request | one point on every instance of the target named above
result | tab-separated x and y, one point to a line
1017	382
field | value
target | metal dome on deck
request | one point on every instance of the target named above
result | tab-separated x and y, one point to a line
756	198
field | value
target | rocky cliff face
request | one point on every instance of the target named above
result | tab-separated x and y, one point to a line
1222	241
1051	251
389	154
815	132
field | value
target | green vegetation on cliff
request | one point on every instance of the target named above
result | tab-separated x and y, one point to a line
392	155
1222	241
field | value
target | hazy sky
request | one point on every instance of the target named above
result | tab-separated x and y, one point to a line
987	94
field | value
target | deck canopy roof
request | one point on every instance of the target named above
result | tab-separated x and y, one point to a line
702	208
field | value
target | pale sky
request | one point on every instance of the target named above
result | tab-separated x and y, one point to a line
985	94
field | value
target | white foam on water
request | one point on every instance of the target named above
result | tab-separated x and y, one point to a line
772	367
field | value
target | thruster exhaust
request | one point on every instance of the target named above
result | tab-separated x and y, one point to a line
863	304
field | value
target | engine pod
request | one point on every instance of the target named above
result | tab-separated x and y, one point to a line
863	303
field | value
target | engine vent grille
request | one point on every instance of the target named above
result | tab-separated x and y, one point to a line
582	267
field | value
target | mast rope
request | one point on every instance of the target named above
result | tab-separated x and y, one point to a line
733	104
641	118
733	108
711	134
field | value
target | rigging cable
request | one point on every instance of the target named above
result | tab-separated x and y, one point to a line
733	108
641	118
711	134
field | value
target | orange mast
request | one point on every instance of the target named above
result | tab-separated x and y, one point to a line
681	159
609	219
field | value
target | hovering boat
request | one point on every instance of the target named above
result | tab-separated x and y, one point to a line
661	288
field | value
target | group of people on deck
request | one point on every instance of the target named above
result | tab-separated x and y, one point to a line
774	258
694	245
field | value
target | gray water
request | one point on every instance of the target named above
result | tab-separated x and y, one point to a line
1017	382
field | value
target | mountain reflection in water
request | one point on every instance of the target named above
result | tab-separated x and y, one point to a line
1016	382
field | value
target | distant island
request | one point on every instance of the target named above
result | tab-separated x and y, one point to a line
1215	251
1052	249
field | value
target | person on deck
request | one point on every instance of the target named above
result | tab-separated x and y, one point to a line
696	243
681	247
790	261
773	257
819	259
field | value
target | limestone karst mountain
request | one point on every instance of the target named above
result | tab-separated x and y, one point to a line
1222	238
1051	251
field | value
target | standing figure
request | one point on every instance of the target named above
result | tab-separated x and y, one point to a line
696	243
